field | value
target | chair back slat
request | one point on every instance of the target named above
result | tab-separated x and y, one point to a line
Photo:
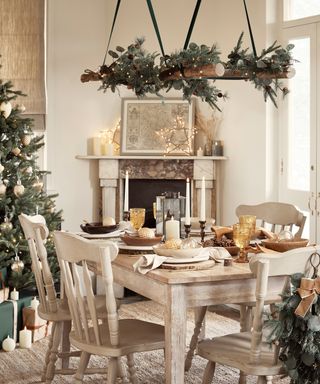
268	265
36	233
72	251
276	214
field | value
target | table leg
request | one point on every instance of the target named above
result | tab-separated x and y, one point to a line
175	334
245	324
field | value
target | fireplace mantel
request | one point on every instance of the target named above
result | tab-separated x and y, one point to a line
112	171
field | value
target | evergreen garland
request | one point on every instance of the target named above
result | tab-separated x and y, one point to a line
137	69
298	337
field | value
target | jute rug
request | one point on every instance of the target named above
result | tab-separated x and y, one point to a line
24	366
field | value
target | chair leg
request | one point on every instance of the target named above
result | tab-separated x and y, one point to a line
209	372
121	370
112	370
47	358
261	380
65	347
83	363
54	352
269	379
132	369
195	337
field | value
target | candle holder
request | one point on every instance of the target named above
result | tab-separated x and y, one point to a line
126	215
202	231
187	228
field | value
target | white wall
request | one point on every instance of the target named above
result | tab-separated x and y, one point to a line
77	35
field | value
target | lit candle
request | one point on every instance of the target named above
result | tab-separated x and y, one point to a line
187	218
14	295
126	194
172	229
34	303
25	338
203	200
200	152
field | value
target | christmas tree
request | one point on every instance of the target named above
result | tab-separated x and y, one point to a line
21	190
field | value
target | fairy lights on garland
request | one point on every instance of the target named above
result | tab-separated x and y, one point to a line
193	71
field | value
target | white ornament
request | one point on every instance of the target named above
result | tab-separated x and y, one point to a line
21	108
26	139
8	344
16	151
28	170
6	108
37	184
18	189
6	226
3	189
1	168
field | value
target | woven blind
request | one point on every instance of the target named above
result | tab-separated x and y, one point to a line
22	49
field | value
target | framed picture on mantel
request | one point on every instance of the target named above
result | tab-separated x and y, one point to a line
157	126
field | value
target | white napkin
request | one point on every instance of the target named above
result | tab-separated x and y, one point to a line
218	254
148	262
109	235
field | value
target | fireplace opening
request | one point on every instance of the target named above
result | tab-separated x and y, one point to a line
143	192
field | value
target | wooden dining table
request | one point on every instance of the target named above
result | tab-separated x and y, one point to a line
179	290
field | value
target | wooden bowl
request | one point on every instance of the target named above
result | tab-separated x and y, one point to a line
161	250
233	250
98	228
140	241
283	246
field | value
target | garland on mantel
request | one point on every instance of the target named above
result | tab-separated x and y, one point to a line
193	71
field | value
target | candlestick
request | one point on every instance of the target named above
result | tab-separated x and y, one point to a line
203	200
25	338
187	216
202	231
187	228
126	193
126	215
14	295
172	229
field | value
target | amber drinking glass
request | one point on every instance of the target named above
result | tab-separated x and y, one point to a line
251	221
137	217
241	237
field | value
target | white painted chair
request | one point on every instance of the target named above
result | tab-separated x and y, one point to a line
247	351
114	338
279	216
51	308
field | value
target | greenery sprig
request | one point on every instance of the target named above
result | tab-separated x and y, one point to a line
298	337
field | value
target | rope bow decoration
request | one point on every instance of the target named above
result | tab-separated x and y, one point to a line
308	291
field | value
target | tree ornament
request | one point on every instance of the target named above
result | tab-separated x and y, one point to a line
1	168
25	140
38	185
6	226
16	151
17	264
6	108
21	108
18	189
28	170
3	188
8	344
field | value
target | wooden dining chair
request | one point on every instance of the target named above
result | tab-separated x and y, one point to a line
114	338
276	216
248	351
51	308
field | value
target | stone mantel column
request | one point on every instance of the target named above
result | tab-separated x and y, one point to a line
112	171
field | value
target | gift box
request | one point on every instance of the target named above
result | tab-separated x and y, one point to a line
4	291
11	316
40	328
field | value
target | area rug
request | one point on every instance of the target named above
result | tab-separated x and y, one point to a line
24	366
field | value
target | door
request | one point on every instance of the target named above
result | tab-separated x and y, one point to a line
298	128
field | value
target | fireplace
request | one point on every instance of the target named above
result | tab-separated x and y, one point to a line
149	176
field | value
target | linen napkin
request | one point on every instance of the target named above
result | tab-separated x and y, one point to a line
148	262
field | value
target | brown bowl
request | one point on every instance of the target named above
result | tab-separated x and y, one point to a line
233	250
283	246
140	241
98	228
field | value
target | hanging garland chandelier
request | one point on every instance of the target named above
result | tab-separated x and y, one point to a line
194	69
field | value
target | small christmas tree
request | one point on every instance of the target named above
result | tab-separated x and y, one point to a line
21	190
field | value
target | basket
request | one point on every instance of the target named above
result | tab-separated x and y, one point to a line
283	246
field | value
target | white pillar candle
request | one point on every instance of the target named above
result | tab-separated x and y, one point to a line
14	295
8	344
126	193
34	303
200	152
172	229
96	141
203	200
109	149
25	337
187	218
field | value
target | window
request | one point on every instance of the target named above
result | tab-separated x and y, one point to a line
297	9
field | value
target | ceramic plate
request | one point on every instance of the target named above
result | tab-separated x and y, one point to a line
178	253
100	235
126	247
174	260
